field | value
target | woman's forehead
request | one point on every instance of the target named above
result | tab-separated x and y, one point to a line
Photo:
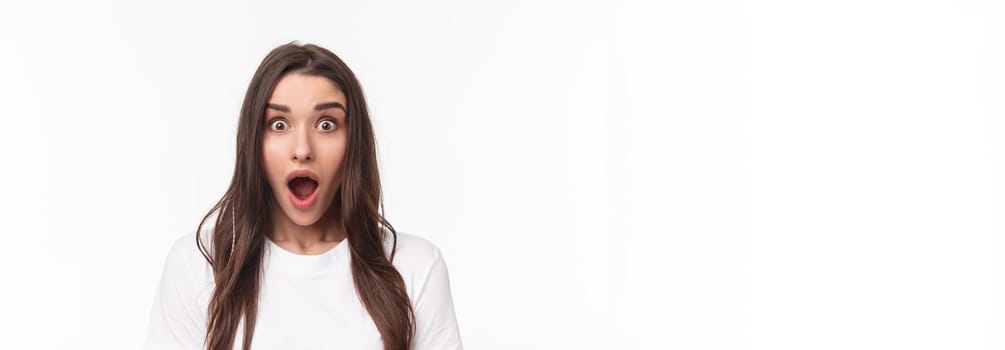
304	92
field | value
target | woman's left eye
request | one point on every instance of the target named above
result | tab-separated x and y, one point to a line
326	125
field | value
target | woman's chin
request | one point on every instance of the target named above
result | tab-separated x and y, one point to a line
302	217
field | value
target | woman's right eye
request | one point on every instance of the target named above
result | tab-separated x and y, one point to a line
278	125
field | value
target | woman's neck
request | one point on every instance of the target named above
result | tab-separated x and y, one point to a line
317	238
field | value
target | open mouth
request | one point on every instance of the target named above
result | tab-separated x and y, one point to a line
302	187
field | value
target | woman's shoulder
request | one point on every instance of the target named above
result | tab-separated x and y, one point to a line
424	271
411	248
186	245
186	259
414	256
182	297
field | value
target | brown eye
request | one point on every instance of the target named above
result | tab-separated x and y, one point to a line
326	124
278	125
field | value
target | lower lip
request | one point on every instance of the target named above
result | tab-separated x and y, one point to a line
304	203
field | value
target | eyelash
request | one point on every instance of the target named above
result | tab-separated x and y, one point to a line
272	123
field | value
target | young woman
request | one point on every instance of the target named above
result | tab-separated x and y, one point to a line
299	255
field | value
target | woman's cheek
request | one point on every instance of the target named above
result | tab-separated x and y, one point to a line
272	158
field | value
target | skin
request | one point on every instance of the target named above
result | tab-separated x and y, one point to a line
299	136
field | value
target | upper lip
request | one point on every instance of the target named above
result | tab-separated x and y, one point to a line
301	173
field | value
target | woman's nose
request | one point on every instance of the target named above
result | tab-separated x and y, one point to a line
302	150
302	156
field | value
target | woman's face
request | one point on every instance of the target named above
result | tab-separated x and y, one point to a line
304	144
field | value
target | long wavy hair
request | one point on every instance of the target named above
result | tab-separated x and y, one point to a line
237	242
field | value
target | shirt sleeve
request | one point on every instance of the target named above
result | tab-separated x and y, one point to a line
435	322
176	321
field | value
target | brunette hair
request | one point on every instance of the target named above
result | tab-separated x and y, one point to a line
238	239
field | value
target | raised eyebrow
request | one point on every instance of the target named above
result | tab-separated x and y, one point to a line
319	107
278	107
329	105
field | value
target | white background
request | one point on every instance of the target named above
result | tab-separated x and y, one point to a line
599	175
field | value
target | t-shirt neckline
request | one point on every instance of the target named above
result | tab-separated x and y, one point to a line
278	257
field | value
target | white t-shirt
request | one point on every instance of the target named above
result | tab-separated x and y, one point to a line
306	301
